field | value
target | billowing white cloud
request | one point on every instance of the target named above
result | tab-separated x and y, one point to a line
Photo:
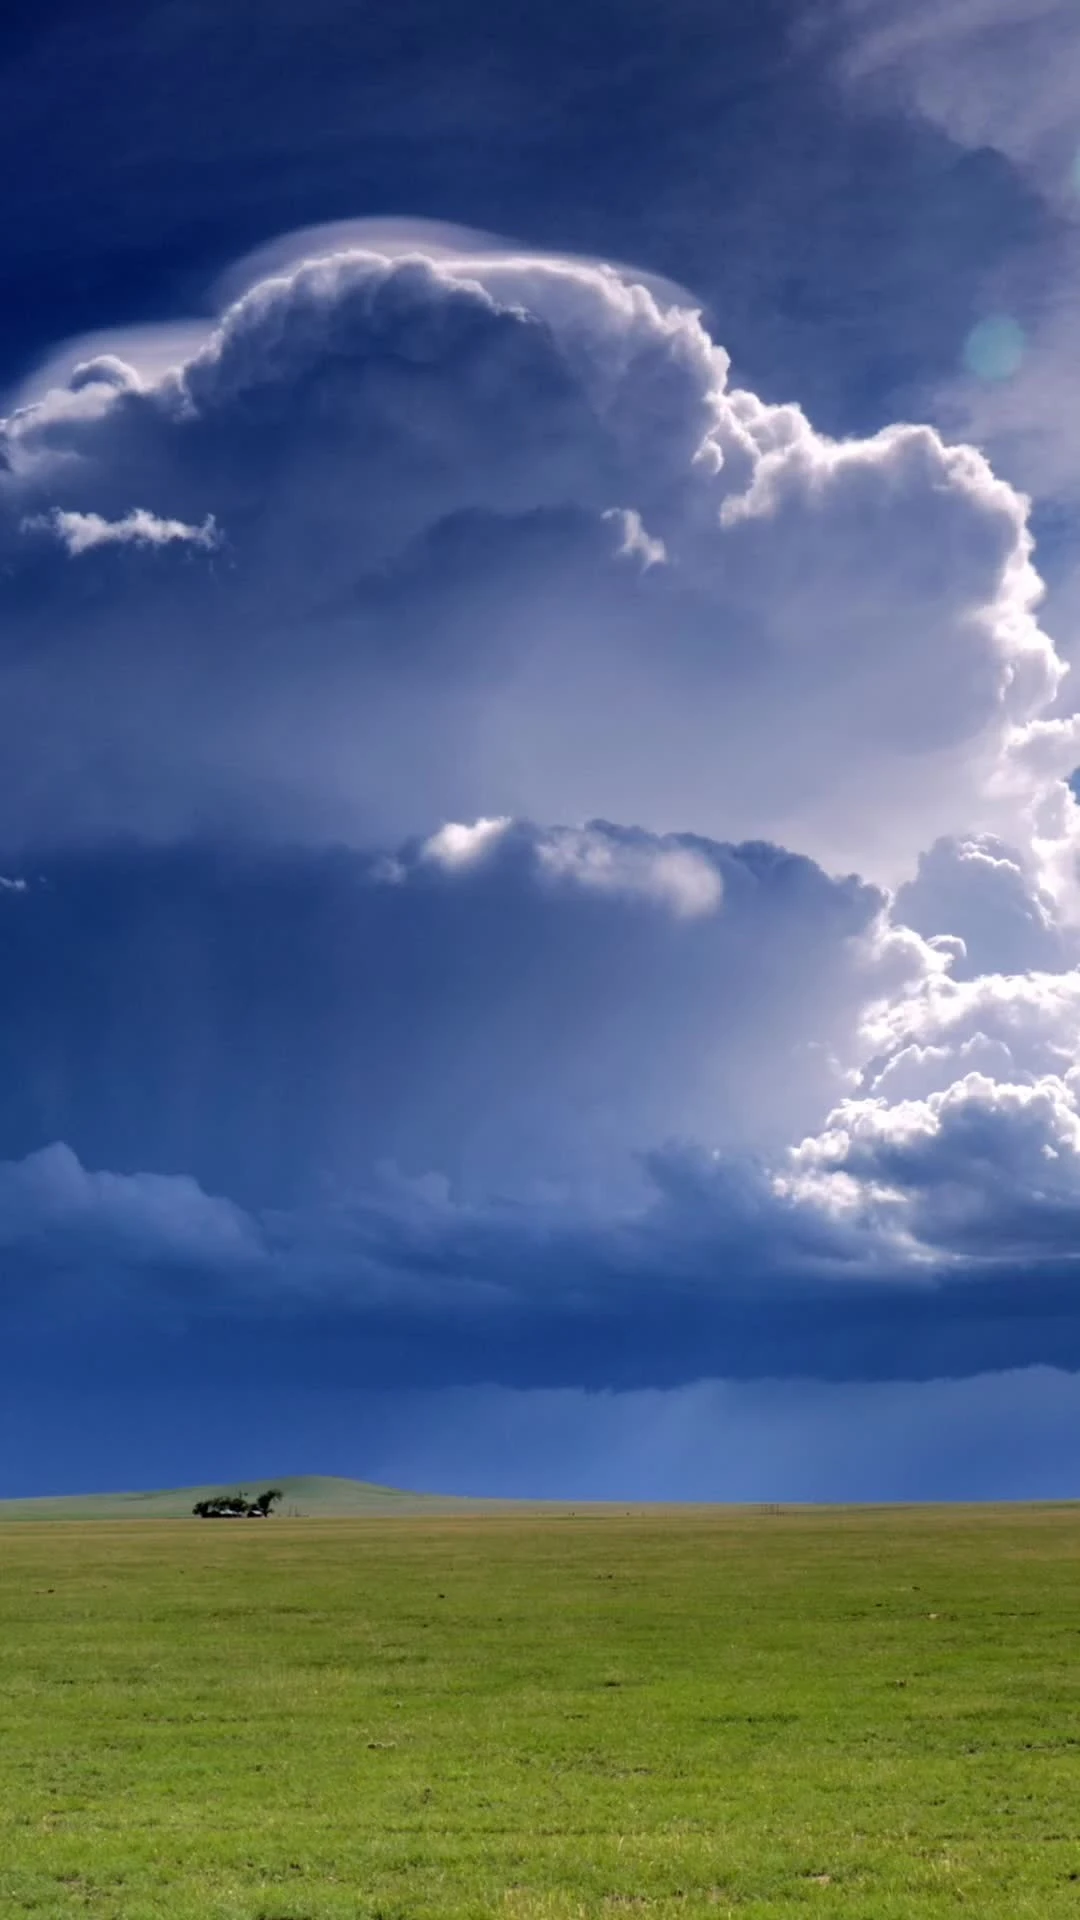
428	484
1029	1021
985	899
963	1140
983	1169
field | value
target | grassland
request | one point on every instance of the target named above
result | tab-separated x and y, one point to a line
867	1713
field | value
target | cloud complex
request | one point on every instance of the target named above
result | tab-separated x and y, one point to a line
303	1015
524	1097
410	540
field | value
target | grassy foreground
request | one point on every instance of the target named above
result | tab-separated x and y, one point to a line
867	1713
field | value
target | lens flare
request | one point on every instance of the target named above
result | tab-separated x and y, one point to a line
994	349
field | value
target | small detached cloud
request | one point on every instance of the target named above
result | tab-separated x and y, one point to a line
82	532
636	543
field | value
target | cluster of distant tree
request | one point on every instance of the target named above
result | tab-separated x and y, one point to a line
237	1506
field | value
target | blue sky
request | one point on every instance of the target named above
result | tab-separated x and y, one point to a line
539	924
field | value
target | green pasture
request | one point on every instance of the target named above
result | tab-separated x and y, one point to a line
870	1713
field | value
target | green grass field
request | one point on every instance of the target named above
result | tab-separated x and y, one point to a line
868	1713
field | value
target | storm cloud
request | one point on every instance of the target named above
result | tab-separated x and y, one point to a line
361	565
527	866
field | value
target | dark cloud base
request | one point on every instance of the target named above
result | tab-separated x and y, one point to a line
306	1097
884	1332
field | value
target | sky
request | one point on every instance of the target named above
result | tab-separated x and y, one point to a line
539	892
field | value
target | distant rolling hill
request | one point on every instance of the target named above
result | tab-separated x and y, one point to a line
306	1496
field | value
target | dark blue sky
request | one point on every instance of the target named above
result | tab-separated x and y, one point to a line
842	248
539	881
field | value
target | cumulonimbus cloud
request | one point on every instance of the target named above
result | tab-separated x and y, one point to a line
408	552
421	479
